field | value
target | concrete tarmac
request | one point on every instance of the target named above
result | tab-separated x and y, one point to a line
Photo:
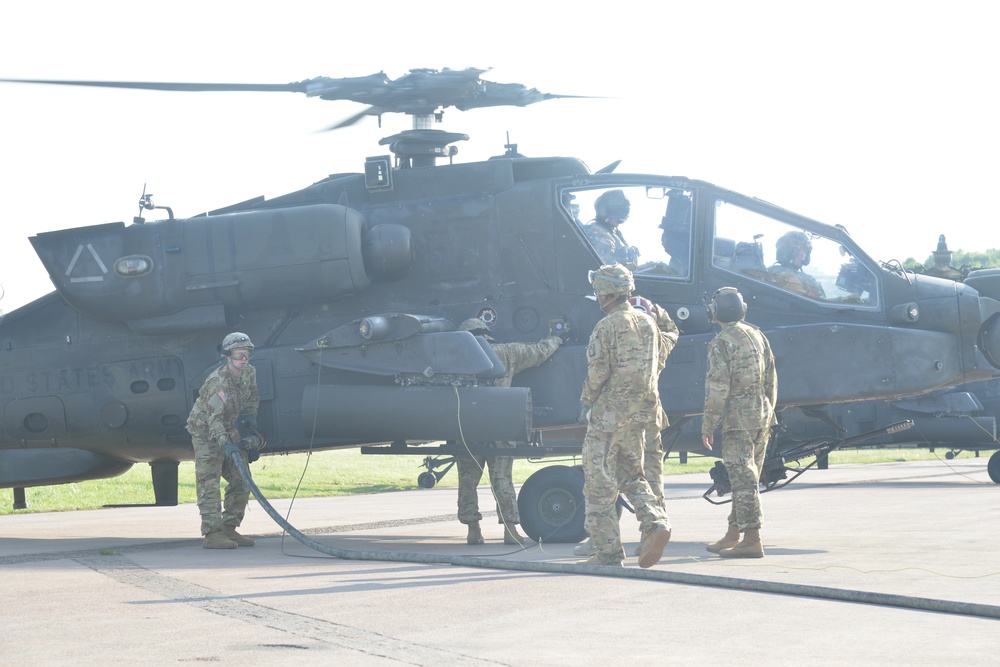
134	586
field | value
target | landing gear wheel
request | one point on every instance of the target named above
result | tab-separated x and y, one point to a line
426	480
551	505
993	467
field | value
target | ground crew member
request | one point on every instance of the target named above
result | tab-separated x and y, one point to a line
741	391
652	460
620	397
229	392
515	357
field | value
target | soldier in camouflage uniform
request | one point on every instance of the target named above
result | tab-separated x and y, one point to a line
621	397
610	210
652	460
741	391
515	357
792	252
230	390
652	463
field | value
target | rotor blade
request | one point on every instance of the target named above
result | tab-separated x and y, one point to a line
297	87
368	111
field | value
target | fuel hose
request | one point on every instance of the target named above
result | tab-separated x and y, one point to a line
758	586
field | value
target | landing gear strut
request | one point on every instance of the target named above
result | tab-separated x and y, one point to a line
428	479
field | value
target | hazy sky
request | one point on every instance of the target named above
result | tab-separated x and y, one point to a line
880	116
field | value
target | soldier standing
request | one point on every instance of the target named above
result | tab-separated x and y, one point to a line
741	391
230	390
652	460
624	356
516	357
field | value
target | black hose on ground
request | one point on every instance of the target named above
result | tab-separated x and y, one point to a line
822	592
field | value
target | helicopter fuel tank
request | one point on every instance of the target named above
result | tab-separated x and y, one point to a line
171	276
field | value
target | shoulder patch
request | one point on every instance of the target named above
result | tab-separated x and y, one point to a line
217	401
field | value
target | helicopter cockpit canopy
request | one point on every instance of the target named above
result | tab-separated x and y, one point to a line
649	229
791	258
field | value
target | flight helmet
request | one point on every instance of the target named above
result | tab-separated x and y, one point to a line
788	246
612	204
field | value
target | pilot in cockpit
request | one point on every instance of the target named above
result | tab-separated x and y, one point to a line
792	252
610	210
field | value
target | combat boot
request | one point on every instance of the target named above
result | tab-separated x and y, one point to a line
511	536
241	540
596	559
217	540
653	546
588	548
731	539
475	534
749	547
638	548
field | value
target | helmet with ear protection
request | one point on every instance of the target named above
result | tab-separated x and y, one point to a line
235	341
727	305
788	247
612	204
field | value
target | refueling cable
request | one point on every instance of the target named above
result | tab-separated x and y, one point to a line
845	595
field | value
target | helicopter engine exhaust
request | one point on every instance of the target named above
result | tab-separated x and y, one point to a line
388	414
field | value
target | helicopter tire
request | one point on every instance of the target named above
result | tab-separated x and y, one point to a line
426	480
551	504
993	467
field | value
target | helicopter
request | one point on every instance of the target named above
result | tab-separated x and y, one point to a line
352	289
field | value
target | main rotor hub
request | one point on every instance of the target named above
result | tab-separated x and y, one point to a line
422	148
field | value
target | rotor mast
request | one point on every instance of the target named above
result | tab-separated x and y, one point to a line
423	145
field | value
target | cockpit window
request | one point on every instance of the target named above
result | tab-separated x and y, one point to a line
790	258
648	229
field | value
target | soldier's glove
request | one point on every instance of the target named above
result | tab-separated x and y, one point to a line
632	255
584	417
246	424
559	329
253	442
643	305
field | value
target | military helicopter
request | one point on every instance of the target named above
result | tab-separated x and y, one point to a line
352	289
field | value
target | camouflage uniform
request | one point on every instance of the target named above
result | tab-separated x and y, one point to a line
212	424
624	356
516	357
610	245
652	461
741	390
796	280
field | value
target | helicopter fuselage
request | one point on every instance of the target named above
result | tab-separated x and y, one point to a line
352	289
